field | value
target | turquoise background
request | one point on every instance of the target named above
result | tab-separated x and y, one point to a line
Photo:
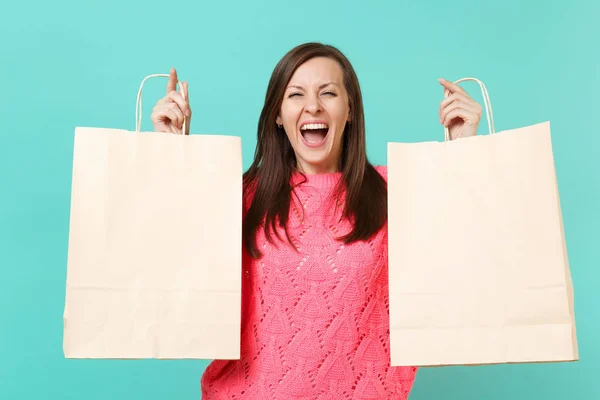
79	63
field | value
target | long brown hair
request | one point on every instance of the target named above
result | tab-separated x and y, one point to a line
268	178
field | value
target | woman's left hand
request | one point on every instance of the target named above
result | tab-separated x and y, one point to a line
459	112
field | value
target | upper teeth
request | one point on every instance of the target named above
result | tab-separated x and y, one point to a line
314	126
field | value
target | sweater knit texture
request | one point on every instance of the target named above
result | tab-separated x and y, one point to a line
315	322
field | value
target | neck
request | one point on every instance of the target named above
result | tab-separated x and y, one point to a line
310	169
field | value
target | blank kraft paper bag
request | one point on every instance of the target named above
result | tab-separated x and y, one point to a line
478	268
154	257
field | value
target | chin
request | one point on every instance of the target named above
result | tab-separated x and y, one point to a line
316	160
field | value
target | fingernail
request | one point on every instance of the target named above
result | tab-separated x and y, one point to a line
441	80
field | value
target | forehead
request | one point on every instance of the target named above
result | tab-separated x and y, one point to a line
316	71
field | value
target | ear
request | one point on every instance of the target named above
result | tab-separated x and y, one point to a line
278	120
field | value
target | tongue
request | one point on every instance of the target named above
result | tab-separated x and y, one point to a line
314	135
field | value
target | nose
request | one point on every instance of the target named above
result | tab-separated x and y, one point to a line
313	104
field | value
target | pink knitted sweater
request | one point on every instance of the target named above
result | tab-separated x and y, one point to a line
315	322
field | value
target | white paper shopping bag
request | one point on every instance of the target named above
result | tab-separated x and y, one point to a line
478	267
154	257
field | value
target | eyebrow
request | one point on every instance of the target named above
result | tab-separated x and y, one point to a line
320	87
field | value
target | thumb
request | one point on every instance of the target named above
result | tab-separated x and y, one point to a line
172	84
185	92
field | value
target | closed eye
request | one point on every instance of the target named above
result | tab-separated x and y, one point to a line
330	93
294	94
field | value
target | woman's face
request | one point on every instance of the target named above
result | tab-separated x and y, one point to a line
314	113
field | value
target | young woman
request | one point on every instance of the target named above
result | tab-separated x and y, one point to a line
315	290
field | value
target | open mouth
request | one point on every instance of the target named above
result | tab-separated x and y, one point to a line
314	135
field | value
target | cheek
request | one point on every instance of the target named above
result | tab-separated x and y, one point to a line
289	114
339	111
291	138
341	119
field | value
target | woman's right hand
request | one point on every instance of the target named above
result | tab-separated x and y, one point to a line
170	112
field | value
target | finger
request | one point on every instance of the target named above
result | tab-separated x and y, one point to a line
158	111
179	115
456	105
172	84
452	87
465	115
171	114
187	98
178	99
455	97
186	94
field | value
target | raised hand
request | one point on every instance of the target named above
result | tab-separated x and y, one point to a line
459	112
170	112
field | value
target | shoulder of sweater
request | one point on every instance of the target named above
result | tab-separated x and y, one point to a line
382	169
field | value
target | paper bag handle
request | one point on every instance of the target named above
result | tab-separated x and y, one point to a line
138	103
486	101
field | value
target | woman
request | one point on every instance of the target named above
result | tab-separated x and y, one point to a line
315	291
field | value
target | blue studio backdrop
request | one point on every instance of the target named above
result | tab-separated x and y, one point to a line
68	63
